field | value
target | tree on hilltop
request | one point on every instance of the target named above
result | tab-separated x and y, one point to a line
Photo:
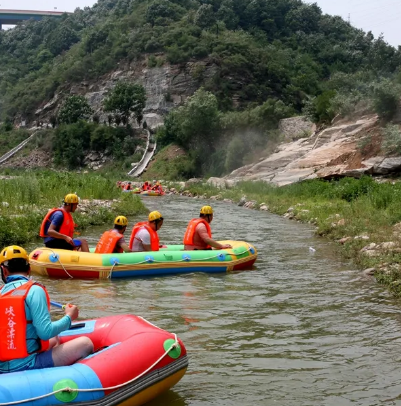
125	99
75	108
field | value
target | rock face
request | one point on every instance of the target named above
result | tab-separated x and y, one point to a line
348	148
166	87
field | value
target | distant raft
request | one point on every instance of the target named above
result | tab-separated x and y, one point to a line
151	193
173	259
134	362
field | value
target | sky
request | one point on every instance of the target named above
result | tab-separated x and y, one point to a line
378	16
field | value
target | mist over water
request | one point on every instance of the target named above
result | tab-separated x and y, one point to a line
301	328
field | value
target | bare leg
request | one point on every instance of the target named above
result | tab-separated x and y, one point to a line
53	342
84	245
72	351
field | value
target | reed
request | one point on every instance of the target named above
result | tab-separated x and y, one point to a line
25	197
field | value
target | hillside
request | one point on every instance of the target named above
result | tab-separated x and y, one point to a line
256	62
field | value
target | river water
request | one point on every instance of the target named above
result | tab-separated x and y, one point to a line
301	328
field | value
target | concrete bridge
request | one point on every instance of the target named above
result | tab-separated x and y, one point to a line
12	17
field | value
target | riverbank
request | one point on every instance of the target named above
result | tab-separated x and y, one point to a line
26	197
362	216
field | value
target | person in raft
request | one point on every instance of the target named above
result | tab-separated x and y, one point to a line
144	235
128	186
198	235
146	186
57	227
29	337
113	240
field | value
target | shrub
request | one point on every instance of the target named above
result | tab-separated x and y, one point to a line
386	99
391	139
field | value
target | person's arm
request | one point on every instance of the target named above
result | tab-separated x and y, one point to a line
123	245
52	231
216	244
202	232
45	328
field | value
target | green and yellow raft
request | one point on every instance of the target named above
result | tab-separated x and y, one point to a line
170	260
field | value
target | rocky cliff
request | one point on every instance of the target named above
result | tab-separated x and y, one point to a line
347	148
166	87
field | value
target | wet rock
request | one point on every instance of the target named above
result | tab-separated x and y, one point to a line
250	205
344	240
193	181
217	197
217	182
388	245
242	201
369	272
369	247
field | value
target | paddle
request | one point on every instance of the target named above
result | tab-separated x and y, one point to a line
55	304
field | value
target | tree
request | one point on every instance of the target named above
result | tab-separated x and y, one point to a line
75	108
205	16
195	124
125	99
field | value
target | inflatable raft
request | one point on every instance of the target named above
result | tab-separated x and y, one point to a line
134	361
170	260
150	193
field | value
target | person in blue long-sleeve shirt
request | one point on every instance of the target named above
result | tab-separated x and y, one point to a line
39	329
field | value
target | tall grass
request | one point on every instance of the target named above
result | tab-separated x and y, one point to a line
27	196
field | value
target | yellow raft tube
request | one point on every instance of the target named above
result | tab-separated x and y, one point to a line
173	259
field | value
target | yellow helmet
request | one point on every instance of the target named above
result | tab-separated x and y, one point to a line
71	198
206	210
155	215
121	221
13	252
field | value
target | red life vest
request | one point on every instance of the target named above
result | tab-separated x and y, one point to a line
154	238
66	228
108	242
190	232
127	187
13	323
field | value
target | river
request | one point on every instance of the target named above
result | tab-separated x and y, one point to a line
301	328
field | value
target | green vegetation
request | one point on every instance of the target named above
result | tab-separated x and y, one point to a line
126	98
25	198
72	141
74	109
363	210
284	50
10	138
172	168
255	62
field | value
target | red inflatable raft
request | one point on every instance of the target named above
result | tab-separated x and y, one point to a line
134	361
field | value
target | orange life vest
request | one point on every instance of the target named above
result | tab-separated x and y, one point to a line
127	187
108	242
67	226
154	238
13	323
190	232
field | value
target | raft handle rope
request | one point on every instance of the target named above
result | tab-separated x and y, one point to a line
111	270
58	259
68	389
